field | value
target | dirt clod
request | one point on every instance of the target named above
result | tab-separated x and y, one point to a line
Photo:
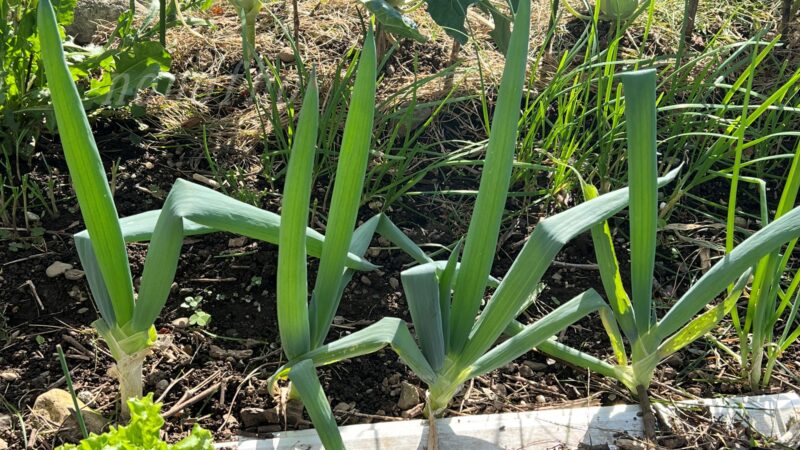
54	410
409	396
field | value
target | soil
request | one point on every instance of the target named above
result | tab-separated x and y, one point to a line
235	279
222	368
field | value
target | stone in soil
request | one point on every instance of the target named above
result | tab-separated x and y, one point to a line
409	396
91	13
57	268
55	409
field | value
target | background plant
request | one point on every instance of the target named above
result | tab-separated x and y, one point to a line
652	339
769	325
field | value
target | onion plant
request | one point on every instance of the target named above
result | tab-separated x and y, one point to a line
769	326
451	346
126	320
651	340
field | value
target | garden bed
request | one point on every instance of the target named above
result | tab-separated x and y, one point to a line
215	375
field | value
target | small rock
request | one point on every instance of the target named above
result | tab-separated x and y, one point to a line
89	13
181	322
510	368
83	310
230	421
32	216
73	274
338	320
394	283
342	407
535	366
264	429
540	399
394	379
286	55
55	407
674	360
525	371
237	242
85	396
148	165
57	268
6	422
253	417
365	280
9	376
161	386
409	396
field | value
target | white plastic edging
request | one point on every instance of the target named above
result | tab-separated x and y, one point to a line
770	415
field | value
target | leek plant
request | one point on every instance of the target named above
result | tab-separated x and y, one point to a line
444	297
769	326
126	320
651	339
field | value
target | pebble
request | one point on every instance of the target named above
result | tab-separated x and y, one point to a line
6	422
540	398
394	283
73	274
85	396
535	366
253	417
83	310
56	407
57	268
181	322
237	242
365	279
342	407
9	375
286	55
409	396
32	216
162	385
525	371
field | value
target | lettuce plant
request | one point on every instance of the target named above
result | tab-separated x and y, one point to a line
143	432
